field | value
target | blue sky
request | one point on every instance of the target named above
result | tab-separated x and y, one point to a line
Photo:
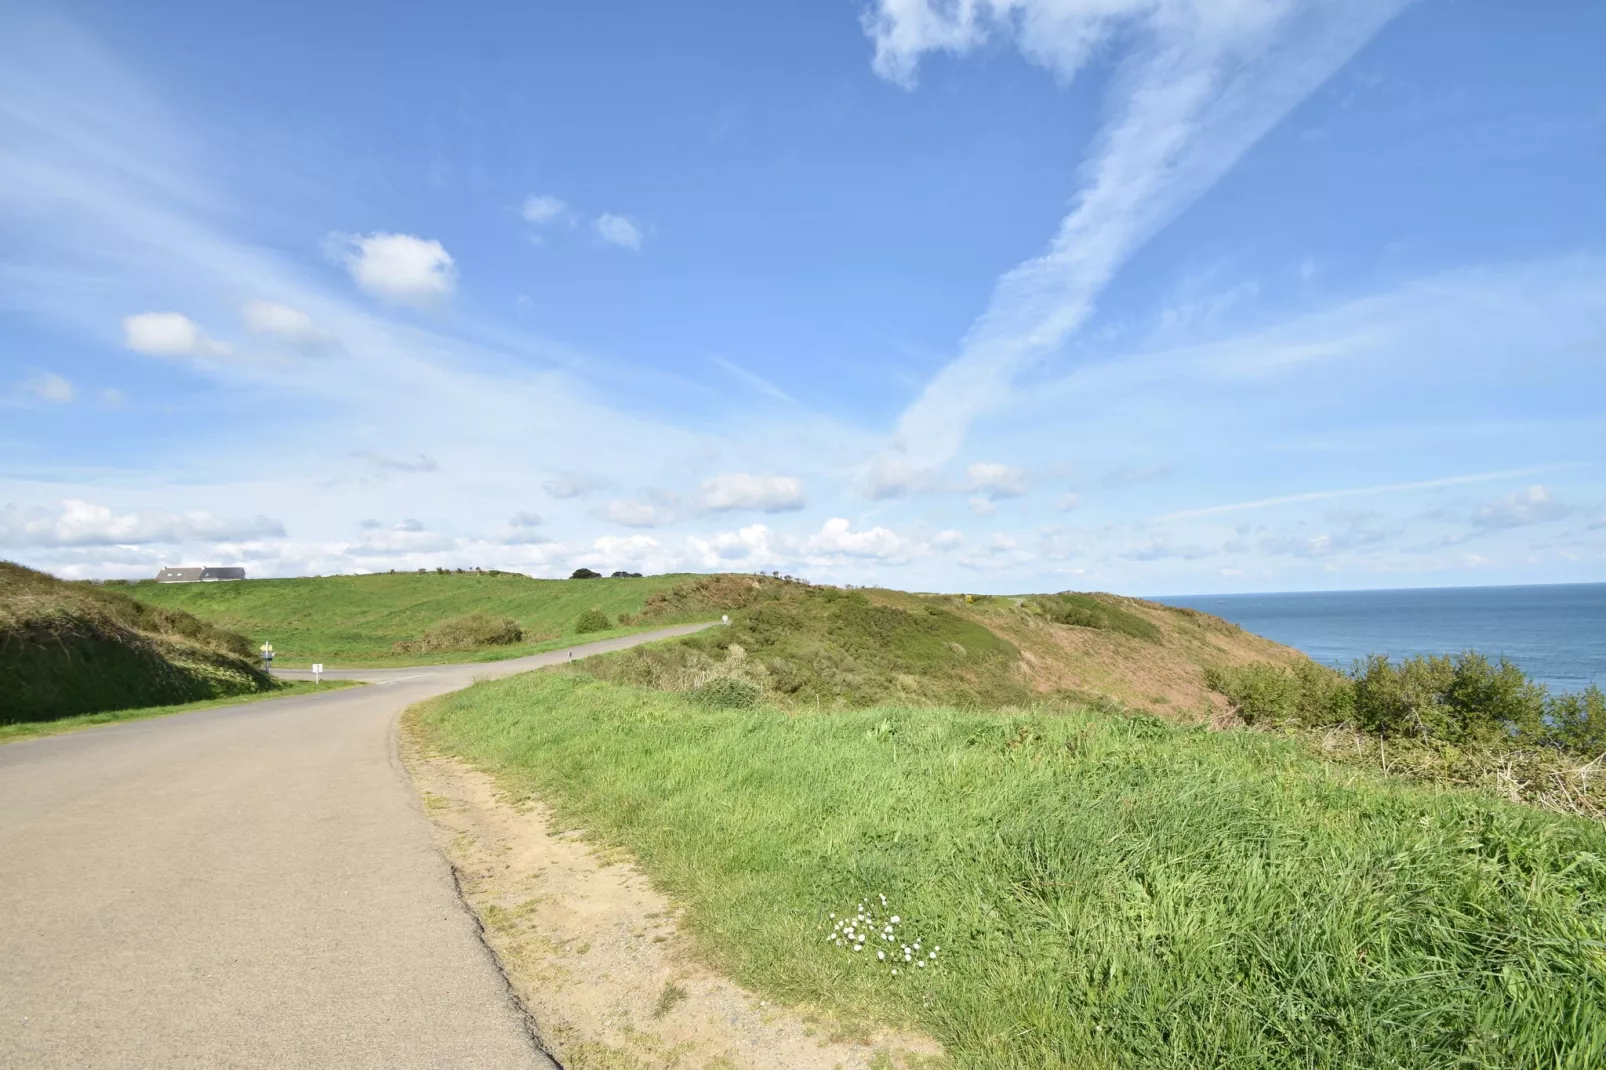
1154	296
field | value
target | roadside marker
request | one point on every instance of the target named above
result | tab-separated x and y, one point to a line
317	673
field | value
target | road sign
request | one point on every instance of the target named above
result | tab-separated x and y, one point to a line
317	670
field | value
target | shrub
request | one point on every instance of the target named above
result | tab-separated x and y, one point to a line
1578	722
584	574
729	693
1464	701
592	620
465	633
1270	695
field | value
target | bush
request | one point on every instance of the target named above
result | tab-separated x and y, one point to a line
1461	700
729	693
465	633
1464	701
1272	695
1578	722
592	620
584	574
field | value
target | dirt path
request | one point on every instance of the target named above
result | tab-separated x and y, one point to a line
593	952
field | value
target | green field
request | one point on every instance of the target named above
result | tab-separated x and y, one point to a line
10	733
1107	891
358	620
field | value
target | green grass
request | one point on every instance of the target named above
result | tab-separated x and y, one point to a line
824	646
11	733
1107	892
358	620
1101	613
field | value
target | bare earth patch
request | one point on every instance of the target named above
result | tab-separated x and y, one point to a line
593	951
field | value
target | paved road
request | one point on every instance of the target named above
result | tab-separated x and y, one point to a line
248	886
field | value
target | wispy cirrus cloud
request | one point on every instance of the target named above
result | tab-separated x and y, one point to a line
1354	492
1199	84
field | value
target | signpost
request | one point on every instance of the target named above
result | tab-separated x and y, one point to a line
267	657
317	674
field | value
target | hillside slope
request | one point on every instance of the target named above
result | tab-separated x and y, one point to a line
359	620
826	646
69	648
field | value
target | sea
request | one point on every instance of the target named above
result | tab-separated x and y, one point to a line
1555	632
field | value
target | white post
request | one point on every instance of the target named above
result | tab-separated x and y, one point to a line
317	674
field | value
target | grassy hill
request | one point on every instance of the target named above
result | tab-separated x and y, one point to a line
70	648
360	620
804	645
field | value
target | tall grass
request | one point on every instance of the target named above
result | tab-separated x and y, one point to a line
1108	892
70	648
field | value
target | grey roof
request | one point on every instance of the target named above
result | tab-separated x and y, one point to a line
196	575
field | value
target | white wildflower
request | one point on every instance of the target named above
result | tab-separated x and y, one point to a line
880	954
895	919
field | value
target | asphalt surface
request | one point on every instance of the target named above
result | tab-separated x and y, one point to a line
247	886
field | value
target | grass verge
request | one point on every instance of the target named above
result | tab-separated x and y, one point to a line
1107	891
11	733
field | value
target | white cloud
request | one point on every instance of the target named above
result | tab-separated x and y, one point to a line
567	485
542	209
282	321
52	387
399	268
383	463
983	506
837	537
112	398
636	514
619	230
890	476
82	523
739	490
1533	505
524	519
1069	501
995	481
169	334
406	537
1200	84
